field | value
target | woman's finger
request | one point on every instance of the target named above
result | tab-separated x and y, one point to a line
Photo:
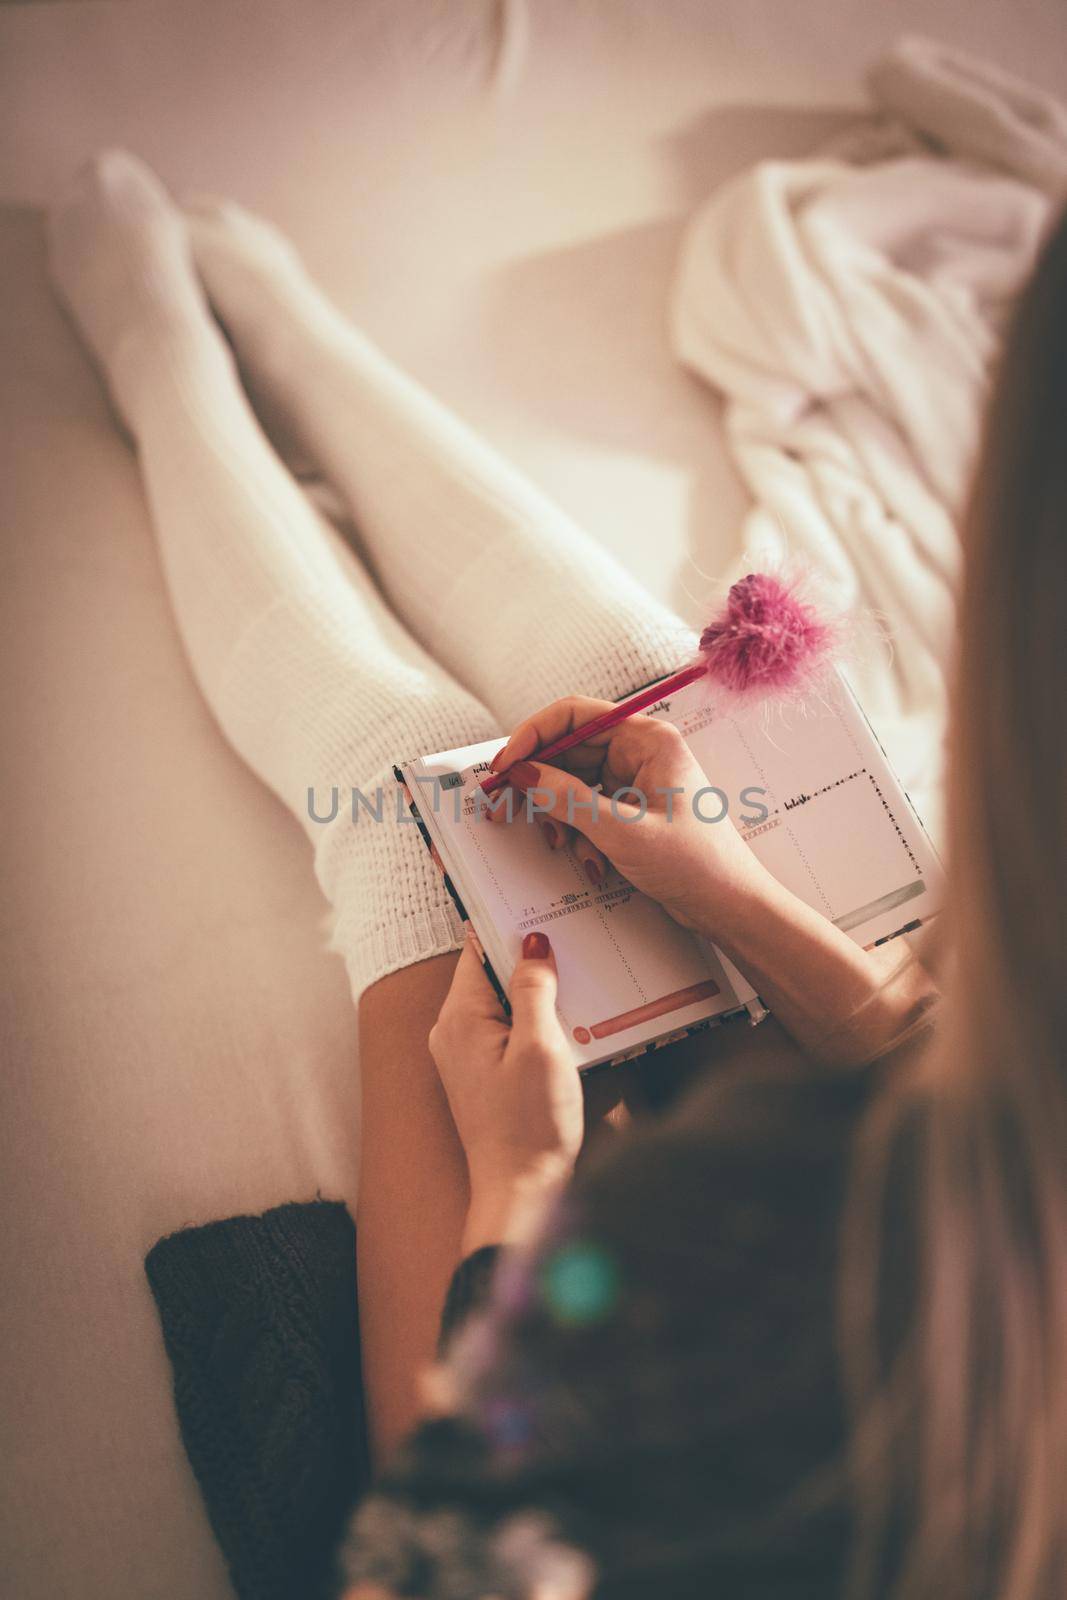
471	994
552	722
532	990
591	860
511	805
550	792
556	834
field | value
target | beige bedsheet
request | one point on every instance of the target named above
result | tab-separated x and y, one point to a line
497	192
175	1046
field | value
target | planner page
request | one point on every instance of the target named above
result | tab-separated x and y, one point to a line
628	974
811	791
807	785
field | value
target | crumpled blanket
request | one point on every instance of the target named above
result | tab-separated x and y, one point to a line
850	309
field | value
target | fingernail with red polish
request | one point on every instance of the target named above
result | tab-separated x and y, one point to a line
500	810
535	947
524	775
553	838
594	872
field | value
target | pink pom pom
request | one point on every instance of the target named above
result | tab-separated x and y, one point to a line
770	638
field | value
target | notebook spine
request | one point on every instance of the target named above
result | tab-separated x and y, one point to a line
461	910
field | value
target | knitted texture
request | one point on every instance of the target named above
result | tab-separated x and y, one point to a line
493	579
324	686
260	1324
312	678
316	683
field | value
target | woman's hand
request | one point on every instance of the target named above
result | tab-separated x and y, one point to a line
513	1089
831	996
699	869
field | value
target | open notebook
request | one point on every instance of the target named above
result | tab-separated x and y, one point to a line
809	788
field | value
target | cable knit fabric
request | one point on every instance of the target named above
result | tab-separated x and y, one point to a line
260	1323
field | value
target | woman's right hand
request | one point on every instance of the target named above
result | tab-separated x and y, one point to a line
701	871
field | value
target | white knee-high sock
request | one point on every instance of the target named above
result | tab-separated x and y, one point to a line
314	681
499	585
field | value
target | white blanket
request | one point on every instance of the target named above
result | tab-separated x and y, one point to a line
850	309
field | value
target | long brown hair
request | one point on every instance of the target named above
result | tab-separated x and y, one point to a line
963	1439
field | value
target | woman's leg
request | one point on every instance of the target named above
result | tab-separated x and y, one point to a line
412	1193
313	679
500	586
316	684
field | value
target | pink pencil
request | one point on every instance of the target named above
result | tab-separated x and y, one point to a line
768	639
609	719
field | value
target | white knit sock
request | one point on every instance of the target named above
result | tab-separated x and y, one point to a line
501	588
311	677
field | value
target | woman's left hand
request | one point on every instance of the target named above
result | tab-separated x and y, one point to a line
513	1089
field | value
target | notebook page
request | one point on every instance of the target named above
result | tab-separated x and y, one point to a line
839	831
627	973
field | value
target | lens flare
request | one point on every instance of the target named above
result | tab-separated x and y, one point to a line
580	1284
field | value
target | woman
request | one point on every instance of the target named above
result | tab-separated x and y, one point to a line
808	1338
681	1299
